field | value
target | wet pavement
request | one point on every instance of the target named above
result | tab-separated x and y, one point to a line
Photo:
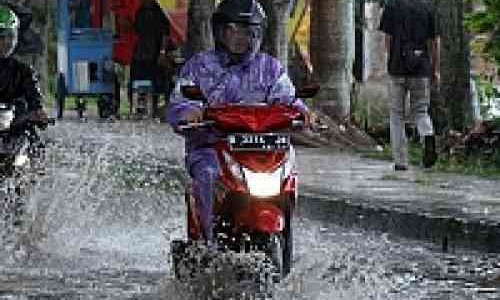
102	217
449	209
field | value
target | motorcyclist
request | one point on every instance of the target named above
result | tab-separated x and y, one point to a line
18	83
234	72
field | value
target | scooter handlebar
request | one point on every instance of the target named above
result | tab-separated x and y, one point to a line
31	121
42	123
320	127
300	124
185	126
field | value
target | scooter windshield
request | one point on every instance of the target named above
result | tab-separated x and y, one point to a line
253	118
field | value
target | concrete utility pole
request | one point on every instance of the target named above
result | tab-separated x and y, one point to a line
332	54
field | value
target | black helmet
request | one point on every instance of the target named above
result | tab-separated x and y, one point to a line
9	26
240	11
245	12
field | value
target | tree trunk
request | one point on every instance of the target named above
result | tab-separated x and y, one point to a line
199	26
455	77
41	25
332	54
275	40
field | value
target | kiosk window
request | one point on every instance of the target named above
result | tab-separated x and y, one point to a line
93	71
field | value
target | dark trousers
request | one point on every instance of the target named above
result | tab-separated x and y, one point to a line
150	70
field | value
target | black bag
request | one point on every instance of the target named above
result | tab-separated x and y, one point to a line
413	58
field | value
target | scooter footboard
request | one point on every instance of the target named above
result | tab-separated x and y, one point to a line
261	217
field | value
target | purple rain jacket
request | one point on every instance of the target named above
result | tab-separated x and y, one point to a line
257	78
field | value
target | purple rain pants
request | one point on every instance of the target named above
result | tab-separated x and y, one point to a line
203	166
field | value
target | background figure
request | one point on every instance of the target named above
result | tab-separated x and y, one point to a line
412	43
152	29
80	14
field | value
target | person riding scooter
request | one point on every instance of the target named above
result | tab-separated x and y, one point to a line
235	72
18	83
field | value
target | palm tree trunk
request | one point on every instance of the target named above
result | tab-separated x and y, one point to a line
275	42
199	26
332	54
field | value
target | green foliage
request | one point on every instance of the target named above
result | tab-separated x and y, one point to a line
486	87
486	91
487	22
385	154
486	167
495	122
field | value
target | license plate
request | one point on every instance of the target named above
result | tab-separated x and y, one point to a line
256	142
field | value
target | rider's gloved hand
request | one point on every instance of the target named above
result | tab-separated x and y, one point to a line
311	119
314	123
195	115
39	115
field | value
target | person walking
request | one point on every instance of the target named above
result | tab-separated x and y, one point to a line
412	45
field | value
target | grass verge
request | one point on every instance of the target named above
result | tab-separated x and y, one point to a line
482	166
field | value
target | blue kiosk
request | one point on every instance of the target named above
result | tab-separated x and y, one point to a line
85	57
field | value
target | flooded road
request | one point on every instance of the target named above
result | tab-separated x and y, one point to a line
101	218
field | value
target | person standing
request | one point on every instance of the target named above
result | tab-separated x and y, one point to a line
152	29
412	45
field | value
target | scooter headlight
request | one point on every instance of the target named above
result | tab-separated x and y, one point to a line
263	185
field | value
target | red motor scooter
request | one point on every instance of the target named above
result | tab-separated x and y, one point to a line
257	192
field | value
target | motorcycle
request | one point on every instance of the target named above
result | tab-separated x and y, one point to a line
257	191
20	148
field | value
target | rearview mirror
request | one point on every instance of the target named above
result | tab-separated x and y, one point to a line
192	92
307	91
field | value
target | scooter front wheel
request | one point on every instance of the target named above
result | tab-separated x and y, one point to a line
288	244
280	249
275	251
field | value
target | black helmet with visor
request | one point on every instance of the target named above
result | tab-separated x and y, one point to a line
9	26
238	27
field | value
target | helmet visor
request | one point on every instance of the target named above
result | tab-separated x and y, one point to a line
237	37
8	41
